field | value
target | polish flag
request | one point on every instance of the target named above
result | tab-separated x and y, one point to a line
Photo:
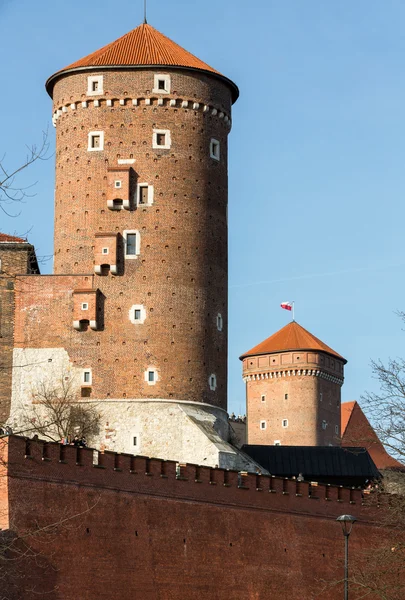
286	305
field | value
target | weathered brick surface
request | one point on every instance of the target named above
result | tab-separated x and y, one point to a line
133	530
302	387
16	260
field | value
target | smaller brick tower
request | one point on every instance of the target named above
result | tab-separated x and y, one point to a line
293	383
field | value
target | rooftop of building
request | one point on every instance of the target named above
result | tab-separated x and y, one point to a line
291	337
5	238
142	47
357	430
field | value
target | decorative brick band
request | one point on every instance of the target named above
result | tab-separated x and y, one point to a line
292	373
135	102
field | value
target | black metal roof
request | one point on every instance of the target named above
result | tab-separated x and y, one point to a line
314	461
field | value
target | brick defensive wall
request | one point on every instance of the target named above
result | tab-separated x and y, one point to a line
132	527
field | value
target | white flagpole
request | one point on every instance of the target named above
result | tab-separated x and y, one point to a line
293	310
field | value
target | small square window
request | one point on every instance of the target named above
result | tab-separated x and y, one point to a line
85	306
104	251
162	84
118	184
161	139
95	85
137	314
285	423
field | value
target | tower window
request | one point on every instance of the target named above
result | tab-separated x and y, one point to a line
132	241
162	84
86	376
135	441
284	423
212	381
144	194
263	424
337	429
161	139
214	149
285	396
104	251
85	306
137	314
324	424
95	85
131	244
151	376
220	322
263	397
96	141
320	396
277	443
118	184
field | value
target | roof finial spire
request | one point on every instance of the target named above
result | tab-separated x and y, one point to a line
144	17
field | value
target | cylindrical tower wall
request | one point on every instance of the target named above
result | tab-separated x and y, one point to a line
179	275
293	398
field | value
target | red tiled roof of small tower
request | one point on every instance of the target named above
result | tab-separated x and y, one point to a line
357	431
143	46
5	238
291	337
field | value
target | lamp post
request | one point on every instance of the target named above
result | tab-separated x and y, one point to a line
347	525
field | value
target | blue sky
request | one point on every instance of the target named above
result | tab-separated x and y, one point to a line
316	204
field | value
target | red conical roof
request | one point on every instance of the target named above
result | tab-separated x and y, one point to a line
291	337
141	47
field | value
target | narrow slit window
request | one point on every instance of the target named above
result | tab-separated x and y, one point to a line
95	86
87	377
151	376
285	396
262	424
137	314
285	423
135	440
263	398
214	149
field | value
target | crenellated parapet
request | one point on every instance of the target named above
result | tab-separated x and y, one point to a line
70	465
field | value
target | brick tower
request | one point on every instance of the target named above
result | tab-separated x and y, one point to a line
136	311
293	383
